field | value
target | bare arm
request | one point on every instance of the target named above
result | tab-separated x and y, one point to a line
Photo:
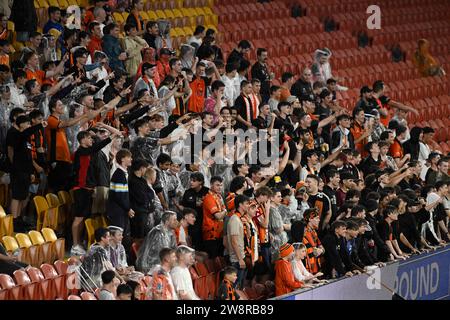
327	121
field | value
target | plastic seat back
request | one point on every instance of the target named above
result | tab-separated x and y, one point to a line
90	228
36	237
10	243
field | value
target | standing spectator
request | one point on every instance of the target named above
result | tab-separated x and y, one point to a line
342	137
333	242
146	81
441	174
425	144
262	220
274	99
236	240
230	92
247	107
214	212
58	148
141	201
82	191
193	198
124	292
319	200
287	81
238	54
134	18
314	248
24	16
22	170
198	88
284	275
388	234
151	33
54	14
260	71
111	46
161	236
216	101
303	88
188	219
18	97
163	63
277	229
180	274
133	45
95	42
118	207
162	287
197	38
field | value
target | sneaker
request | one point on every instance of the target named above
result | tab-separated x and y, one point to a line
77	251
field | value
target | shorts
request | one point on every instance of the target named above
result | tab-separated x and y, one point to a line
82	203
20	185
99	200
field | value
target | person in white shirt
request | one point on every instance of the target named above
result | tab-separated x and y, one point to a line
197	39
228	79
181	277
146	80
18	98
99	73
425	148
300	271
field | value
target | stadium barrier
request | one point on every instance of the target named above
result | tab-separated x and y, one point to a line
421	277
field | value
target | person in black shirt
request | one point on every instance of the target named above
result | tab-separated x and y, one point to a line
193	198
141	199
372	163
238	54
319	200
366	102
152	32
409	227
333	179
302	88
22	163
261	72
283	121
263	119
388	235
334	242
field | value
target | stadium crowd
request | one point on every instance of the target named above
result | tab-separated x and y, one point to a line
112	116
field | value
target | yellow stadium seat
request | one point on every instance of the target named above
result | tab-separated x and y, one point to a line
57	244
52	199
152	15
125	15
177	13
10	244
42	211
188	31
72	2
160	14
199	11
65	197
45	248
144	15
6	223
31	253
169	14
36	4
63	4
90	229
179	3
118	18
53	3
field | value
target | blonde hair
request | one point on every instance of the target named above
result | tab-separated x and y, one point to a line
149	173
299	246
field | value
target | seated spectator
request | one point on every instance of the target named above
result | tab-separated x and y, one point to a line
425	62
9	263
124	292
161	236
162	287
181	277
109	286
227	289
299	269
285	281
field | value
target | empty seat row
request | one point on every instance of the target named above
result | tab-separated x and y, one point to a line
35	247
45	283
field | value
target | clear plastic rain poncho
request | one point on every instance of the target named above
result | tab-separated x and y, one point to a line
158	238
94	264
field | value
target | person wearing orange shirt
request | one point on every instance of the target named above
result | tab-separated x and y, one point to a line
261	220
284	275
396	149
287	80
182	234
214	212
5	51
31	61
198	86
95	43
384	103
57	147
